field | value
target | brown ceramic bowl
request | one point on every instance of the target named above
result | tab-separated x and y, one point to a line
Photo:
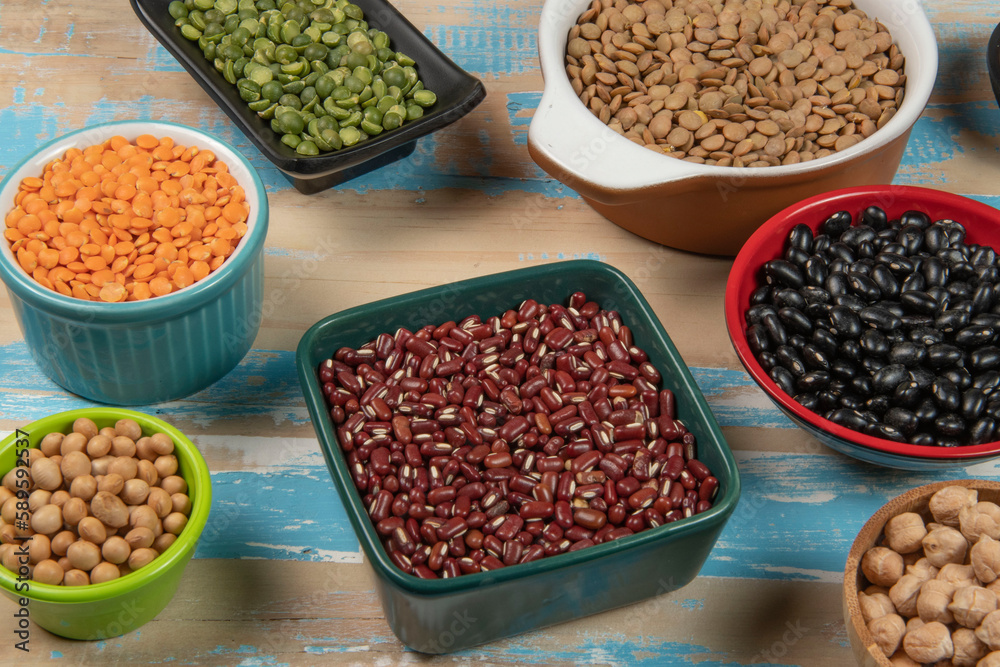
866	652
704	208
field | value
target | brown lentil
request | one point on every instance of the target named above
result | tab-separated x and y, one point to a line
691	62
480	444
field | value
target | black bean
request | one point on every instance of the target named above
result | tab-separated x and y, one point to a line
863	286
949	425
767	360
987	381
861	385
916	301
866	250
784	379
983	256
907	353
898	264
813	381
907	394
983	298
975	336
797	341
757	339
814	358
935	272
914	282
755	313
784	273
851	419
839	250
795	321
775	329
873	343
843	369
801	237
873	364
941	355
875	217
809	400
789	357
836	224
825	342
923	439
850	350
886	282
927	411
852	301
836	284
886	432
985	358
796	256
973	403
982	431
889	377
880	318
819	312
815	294
935	238
851	402
877	405
902	420
958	375
924	377
952	320
946	394
926	336
846	322
918	219
816	270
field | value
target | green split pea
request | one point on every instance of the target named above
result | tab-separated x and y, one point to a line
315	69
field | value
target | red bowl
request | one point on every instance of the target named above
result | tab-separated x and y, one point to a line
982	224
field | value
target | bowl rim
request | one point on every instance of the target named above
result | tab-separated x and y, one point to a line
197	477
153	309
365	530
852	566
993	61
561	121
746	265
316	166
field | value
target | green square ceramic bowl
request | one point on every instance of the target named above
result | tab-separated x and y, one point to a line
443	615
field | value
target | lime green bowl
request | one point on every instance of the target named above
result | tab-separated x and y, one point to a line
110	609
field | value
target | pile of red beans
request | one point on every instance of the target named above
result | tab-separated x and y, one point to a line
482	444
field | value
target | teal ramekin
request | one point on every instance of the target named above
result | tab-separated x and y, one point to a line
141	352
444	615
112	608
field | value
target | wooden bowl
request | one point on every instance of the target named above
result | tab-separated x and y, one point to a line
866	651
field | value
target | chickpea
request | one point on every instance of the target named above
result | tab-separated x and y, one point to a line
946	504
39	548
122	446
86	427
985	559
47	520
904	532
991	659
981	519
929	643
887	631
116	549
83	555
74	510
51	443
968	649
173	484
988	631
141	558
48	572
140	537
104	571
74	442
92	530
900	659
923	569
960	575
76	578
875	605
73	465
904	595
944	545
128	428
166	465
61	542
971	604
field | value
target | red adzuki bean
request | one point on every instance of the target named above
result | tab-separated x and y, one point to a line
478	445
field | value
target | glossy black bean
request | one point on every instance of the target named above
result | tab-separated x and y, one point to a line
846	323
816	270
874	344
851	402
851	419
914	282
877	404
975	336
789	357
801	237
836	224
941	355
887	378
952	320
918	219
924	377
839	250
866	250
926	336
946	395
982	431
863	286
775	329
959	290
757	339
985	358
836	284
986	320
973	403
916	301
983	256
783	273
809	400
988	274
935	238
950	425
815	294
959	376
820	244
852	301
838	265
894	246
886	282
935	272
843	369
827	400
873	365
886	432
825	342
954	231
902	420
813	381
796	256
850	350
814	358
907	353
819	313
767	360
755	314
797	340
875	217
862	265
950	256
993	408
795	321
927	411
880	318
857	235
894	307
861	385
784	379
898	264
925	439
941	295
907	394
983	298
987	381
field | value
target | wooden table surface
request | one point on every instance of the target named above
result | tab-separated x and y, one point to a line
278	577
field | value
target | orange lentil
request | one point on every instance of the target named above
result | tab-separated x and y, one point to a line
125	220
